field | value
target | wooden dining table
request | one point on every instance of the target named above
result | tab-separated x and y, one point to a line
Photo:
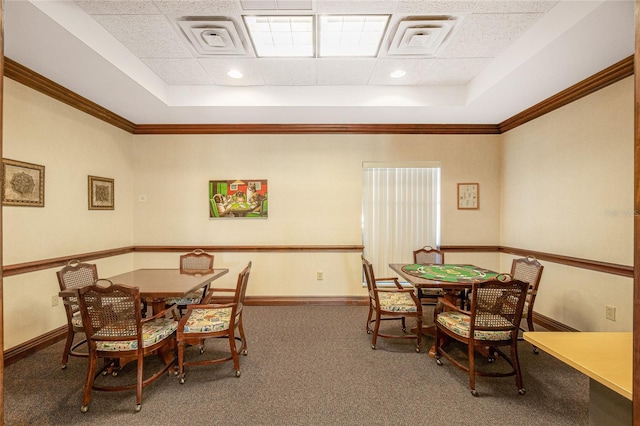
157	285
452	278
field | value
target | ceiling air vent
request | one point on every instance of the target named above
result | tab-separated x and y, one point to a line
422	36
212	36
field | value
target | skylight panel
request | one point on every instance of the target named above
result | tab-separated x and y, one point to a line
351	35
281	36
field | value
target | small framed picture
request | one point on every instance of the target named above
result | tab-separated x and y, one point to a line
468	196
22	184
101	193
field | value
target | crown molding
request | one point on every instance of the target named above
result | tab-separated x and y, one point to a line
604	78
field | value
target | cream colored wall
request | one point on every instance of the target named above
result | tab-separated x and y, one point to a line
315	195
567	189
71	145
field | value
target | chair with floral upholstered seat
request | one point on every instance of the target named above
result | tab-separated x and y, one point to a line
74	275
392	302
116	331
493	321
196	262
207	320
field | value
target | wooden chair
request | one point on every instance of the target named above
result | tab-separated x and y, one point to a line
493	321
429	255
206	320
74	275
117	333
196	262
391	303
529	270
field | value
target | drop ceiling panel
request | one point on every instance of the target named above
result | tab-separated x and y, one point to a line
199	7
110	7
218	68
485	36
451	72
180	72
147	36
288	72
337	72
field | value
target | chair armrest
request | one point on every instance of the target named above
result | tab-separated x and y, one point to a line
162	313
391	279
207	298
444	303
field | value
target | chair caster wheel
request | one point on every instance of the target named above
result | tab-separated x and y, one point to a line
535	350
404	329
114	374
201	350
237	373
84	408
474	392
244	352
64	366
418	350
522	391
373	347
138	408
491	359
181	380
439	362
368	331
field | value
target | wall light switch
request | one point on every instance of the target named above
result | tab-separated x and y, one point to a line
319	276
54	301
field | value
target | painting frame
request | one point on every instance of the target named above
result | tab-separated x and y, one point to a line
101	192
22	184
238	199
468	196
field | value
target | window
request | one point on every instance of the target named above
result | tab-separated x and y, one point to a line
400	211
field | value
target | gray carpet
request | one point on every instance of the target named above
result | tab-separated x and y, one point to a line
306	365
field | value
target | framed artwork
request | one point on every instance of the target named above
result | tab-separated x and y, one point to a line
468	196
101	193
239	198
22	184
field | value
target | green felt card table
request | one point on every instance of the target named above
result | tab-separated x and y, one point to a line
452	278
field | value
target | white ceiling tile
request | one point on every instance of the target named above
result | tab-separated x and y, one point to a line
421	8
147	36
288	72
514	6
452	72
356	6
338	72
218	69
485	36
118	7
413	68
179	72
199	7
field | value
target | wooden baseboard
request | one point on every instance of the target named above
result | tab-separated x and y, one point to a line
41	342
550	324
34	345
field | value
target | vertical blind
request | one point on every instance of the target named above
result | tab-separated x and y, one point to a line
400	211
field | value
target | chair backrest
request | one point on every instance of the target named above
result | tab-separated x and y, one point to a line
370	278
428	254
111	313
75	275
241	288
529	270
497	304
196	262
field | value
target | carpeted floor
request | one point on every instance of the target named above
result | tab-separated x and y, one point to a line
306	365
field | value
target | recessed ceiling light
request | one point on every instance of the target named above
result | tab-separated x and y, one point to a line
398	73
235	74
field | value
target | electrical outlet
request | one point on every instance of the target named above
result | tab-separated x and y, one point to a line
610	312
319	276
54	301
